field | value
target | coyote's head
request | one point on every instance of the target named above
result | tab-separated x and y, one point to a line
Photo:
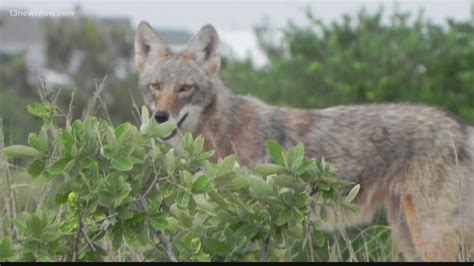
177	86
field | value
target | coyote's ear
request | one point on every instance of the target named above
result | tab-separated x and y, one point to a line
148	45
204	49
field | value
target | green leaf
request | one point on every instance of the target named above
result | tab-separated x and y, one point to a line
34	225
133	229
226	166
295	156
67	141
323	185
296	215
287	198
302	200
61	198
20	226
181	215
122	130
183	199
146	125
269	169
259	187
305	166
284	180
117	236
283	217
295	230
247	230
145	115
21	151
115	193
352	194
36	167
276	152
58	166
188	138
329	194
159	222
36	142
146	128
239	182
215	246
201	185
155	202
6	249
163	129
319	238
71	166
38	109
172	224
217	198
351	207
205	155
110	134
198	144
121	189
122	164
169	162
187	179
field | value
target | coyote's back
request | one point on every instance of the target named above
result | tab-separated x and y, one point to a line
417	161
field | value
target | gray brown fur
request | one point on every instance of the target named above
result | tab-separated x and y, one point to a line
415	160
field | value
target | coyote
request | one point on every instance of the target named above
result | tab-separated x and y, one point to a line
415	160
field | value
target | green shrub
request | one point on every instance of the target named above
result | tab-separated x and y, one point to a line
113	188
363	59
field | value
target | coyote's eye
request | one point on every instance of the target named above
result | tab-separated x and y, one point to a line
185	88
155	86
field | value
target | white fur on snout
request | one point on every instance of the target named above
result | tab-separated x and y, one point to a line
192	121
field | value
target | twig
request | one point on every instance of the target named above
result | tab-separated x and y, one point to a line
77	242
346	239
137	113
164	240
157	174
266	247
45	94
310	242
168	247
89	242
93	100
69	115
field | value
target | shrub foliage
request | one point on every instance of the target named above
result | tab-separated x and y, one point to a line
121	186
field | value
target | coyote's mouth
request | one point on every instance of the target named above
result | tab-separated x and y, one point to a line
180	122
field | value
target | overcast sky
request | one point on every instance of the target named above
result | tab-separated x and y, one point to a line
240	15
234	19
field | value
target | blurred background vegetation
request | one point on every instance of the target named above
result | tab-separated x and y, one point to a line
360	59
363	60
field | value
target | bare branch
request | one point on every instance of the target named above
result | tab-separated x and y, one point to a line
77	243
266	248
93	100
136	114
164	240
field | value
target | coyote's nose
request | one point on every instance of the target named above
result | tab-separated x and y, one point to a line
161	116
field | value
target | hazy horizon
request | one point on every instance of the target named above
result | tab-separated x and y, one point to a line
235	20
